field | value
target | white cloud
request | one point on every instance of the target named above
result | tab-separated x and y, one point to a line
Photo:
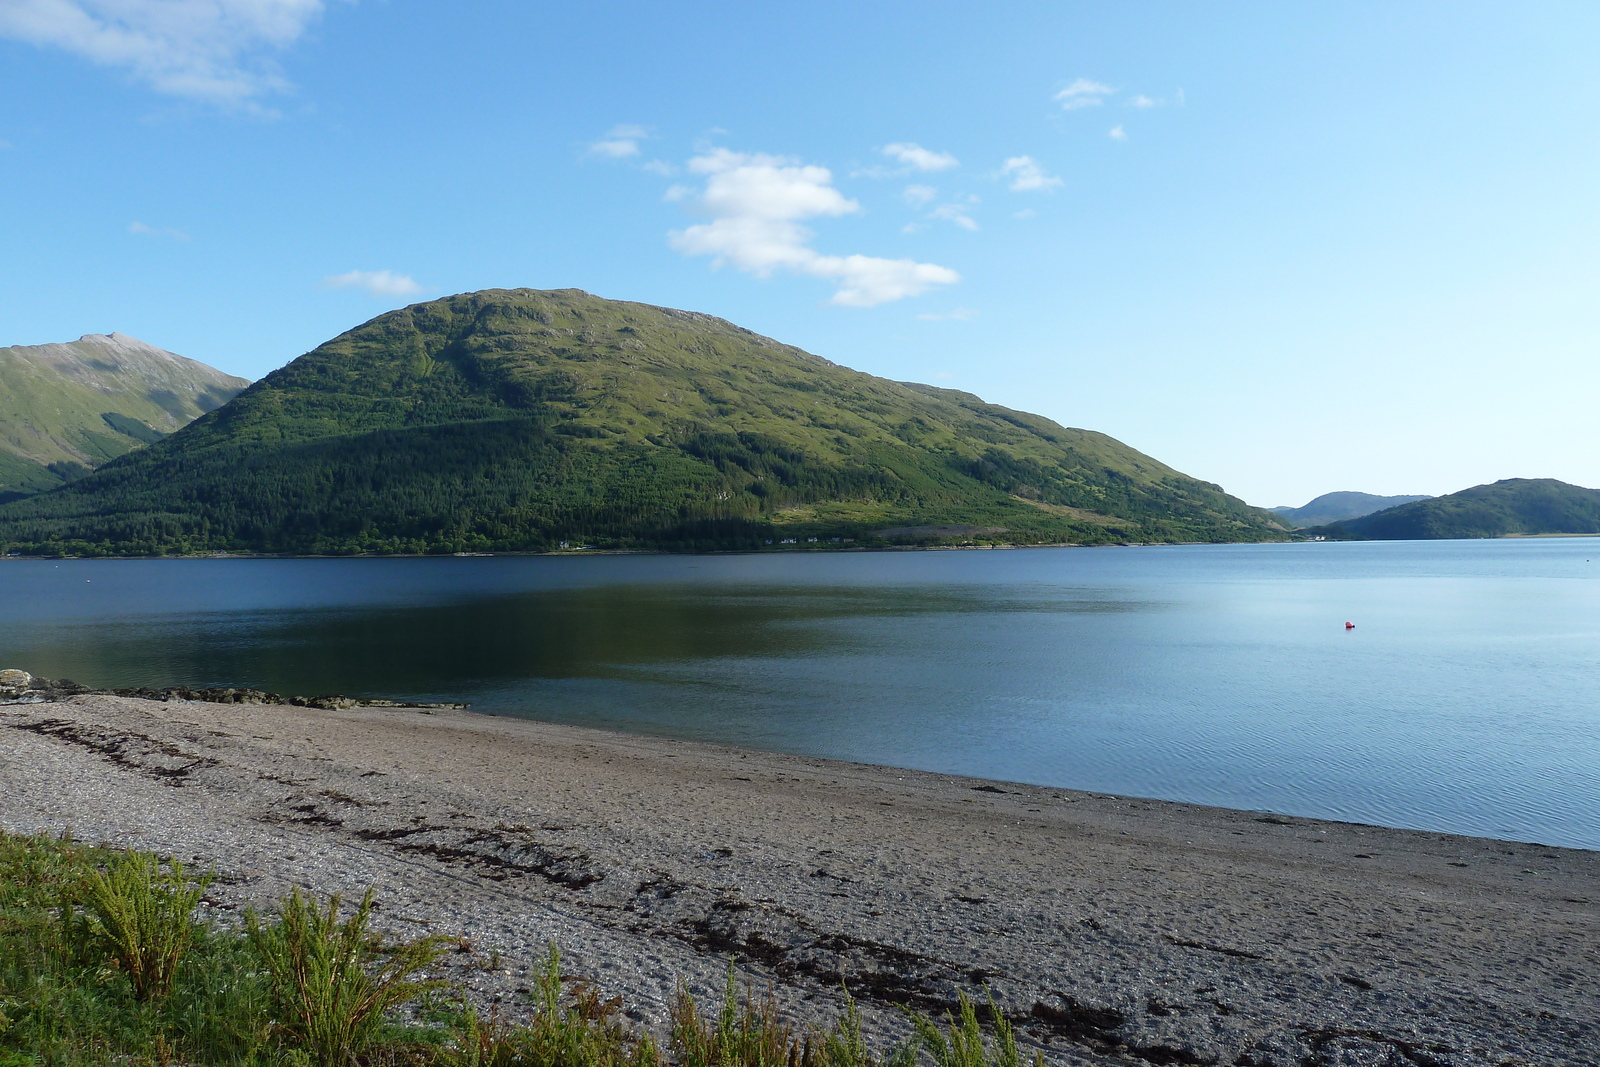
157	231
620	148
920	195
1118	134
1142	101
376	282
918	158
620	143
953	315
956	213
1026	175
211	50
661	167
1083	93
757	204
1025	213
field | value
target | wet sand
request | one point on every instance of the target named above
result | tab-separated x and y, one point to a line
1112	930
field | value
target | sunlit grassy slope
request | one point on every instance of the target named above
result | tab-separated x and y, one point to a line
518	419
67	408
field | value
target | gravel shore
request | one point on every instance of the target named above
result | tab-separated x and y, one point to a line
1113	930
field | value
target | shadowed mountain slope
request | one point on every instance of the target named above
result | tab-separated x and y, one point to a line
68	408
1514	506
518	419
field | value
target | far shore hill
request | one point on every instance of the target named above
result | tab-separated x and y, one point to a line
525	420
1512	507
1337	507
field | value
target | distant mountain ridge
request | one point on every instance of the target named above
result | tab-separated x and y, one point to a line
1337	507
1507	508
512	420
68	408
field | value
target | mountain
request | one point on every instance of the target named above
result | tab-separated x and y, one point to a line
1336	507
1515	506
68	408
520	419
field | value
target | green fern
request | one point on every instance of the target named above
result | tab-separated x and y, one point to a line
143	918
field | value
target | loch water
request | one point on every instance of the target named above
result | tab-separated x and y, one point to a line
1466	699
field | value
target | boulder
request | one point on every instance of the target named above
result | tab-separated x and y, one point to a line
15	679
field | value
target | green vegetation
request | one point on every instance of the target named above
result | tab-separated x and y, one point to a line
515	420
332	983
66	997
750	1033
965	1046
1508	508
142	919
581	1029
102	960
54	422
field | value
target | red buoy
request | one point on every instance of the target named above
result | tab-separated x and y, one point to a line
1349	626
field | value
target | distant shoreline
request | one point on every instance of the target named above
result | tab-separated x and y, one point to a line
580	553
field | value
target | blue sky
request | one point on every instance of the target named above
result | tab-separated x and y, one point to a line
1289	248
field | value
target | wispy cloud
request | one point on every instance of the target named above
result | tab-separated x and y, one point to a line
620	143
1083	93
1145	102
661	167
920	195
953	315
375	282
1118	134
156	231
757	204
960	214
217	51
918	158
1027	176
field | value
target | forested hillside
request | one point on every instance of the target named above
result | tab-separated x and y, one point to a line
521	419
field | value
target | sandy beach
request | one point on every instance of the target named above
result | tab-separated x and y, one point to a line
1112	930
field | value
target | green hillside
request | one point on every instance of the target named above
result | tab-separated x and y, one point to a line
519	419
1515	506
68	408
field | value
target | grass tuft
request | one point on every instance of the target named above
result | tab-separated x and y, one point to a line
962	1043
332	982
585	1031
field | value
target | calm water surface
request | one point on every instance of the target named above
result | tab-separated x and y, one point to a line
1467	699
